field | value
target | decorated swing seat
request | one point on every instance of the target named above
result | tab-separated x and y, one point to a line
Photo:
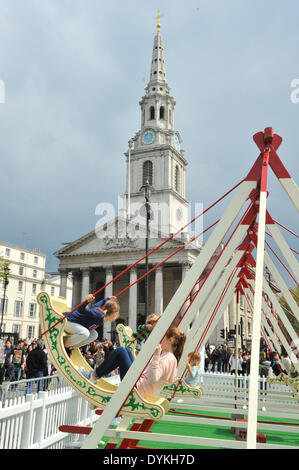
284	379
179	387
99	394
126	339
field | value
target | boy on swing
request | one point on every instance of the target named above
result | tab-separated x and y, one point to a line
143	331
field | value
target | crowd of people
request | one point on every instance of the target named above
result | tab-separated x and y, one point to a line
29	359
221	358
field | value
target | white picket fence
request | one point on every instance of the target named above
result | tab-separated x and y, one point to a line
32	421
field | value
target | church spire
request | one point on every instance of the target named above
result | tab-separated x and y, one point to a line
157	82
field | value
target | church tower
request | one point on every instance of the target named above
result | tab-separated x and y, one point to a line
156	154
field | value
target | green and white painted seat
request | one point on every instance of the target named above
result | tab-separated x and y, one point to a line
99	394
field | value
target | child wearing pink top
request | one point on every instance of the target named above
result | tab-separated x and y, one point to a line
161	370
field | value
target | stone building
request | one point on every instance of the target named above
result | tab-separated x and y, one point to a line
27	277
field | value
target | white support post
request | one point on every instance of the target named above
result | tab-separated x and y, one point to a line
291	189
195	341
275	324
265	323
267	313
285	321
284	248
200	324
208	286
270	333
169	315
280	282
257	310
216	291
286	181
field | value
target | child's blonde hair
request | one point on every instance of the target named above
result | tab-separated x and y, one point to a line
152	318
194	357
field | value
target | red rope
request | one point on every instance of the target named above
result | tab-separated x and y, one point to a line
292	249
140	334
285	309
282	263
166	259
292	292
251	309
276	315
293	233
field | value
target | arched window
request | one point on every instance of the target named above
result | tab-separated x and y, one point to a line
152	113
177	179
162	110
147	172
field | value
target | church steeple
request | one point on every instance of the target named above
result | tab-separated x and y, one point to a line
157	82
156	152
157	106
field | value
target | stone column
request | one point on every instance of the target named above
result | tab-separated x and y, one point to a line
233	312
245	320
63	282
185	268
76	294
85	283
108	293
159	290
133	299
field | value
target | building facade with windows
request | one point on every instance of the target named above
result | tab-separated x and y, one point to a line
27	278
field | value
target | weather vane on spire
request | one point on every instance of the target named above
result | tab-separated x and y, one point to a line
158	18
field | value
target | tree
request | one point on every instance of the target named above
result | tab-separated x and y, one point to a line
4	263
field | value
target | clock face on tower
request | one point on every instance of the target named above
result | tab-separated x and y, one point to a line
176	142
148	136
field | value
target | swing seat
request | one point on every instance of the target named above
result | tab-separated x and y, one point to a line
181	389
125	338
285	380
99	394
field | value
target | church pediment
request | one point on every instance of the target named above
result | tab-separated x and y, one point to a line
116	236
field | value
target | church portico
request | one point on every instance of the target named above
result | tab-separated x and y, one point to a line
163	281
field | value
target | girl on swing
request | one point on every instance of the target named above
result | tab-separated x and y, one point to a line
81	324
161	370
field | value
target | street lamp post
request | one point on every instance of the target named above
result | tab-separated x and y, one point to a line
6	282
147	188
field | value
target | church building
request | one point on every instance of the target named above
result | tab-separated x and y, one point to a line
155	157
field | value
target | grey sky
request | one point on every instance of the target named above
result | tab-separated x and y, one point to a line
74	72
